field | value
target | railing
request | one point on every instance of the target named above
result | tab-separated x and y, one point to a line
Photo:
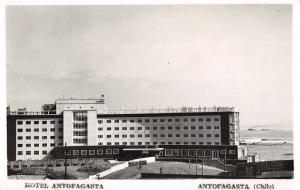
171	110
32	113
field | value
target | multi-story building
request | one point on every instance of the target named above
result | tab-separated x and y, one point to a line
87	123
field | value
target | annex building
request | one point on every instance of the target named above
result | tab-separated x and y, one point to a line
86	128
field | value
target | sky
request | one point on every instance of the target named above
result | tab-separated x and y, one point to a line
154	56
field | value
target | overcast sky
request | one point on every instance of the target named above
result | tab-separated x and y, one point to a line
154	56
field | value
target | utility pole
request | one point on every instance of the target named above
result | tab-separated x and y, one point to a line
65	160
196	166
225	160
202	165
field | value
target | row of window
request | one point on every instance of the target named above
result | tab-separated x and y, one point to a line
35	145
160	135
79	133
38	137
201	119
38	122
80	116
159	128
79	125
80	141
20	130
162	143
196	152
91	152
36	152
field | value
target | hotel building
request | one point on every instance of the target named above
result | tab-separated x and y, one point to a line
88	129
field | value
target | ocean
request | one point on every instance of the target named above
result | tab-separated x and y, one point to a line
270	144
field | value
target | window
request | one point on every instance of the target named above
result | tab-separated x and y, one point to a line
185	127
222	151
132	143
100	136
36	137
131	135
117	143
208	127
216	127
183	152
52	122
28	130
116	136
162	120
20	138
177	135
139	121
116	151
52	137
162	128
60	137
200	119
147	128
60	121
44	129
116	128
200	135
193	135
186	135
36	130
177	120
91	152
124	143
124	121
28	122
20	152
44	137
108	151
185	120
100	129
208	143
116	121
28	153
169	127
231	151
177	128
216	119
109	128
20	145
52	144
154	120
99	151
177	142
124	136
44	145
108	136
124	128
131	128
154	135
20	122
36	122
208	135
185	142
131	121
200	143
83	152
162	143
200	127
147	120
100	143
170	120
170	135
193	119
100	121
140	128
207	152
60	129
52	129
108	121
217	135
44	122
140	135
36	145
75	152
20	130
162	135
154	128
147	135
199	152
217	143
192	153
208	119
154	143
28	137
